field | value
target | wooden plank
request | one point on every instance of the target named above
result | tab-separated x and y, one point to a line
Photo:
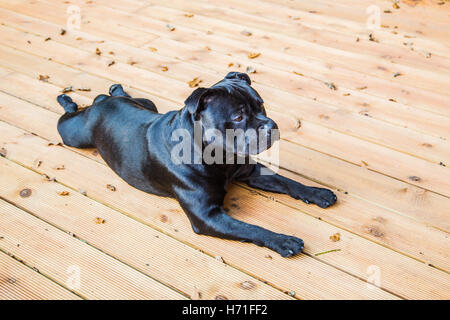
423	20
353	214
135	244
403	198
57	254
356	256
285	60
319	21
19	282
354	100
436	181
228	23
302	15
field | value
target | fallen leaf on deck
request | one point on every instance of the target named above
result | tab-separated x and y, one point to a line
64	193
63	32
54	143
194	82
98	51
99	220
335	237
67	89
43	78
246	33
188	15
164	68
331	85
253	55
298	73
111	187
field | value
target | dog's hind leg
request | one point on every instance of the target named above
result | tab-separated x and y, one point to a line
116	90
72	124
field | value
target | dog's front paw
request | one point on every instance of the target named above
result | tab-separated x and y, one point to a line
285	245
320	196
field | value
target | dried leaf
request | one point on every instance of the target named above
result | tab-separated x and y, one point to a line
63	32
170	27
54	143
253	55
43	78
194	82
153	49
298	73
111	63
37	163
335	237
397	74
64	193
84	89
188	15
246	33
3	152
372	38
131	62
111	187
98	52
164	68
99	220
67	89
331	85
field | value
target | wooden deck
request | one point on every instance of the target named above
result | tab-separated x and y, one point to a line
363	112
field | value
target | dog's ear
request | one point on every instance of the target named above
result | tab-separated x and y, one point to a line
239	75
194	102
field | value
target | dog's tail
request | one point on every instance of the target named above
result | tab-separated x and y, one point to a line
66	102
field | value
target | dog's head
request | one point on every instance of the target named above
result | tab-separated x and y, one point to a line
233	106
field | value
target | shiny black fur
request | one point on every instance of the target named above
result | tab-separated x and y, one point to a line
134	140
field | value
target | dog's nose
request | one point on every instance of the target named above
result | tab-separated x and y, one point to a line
268	125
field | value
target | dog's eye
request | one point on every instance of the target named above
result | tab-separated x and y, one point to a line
238	118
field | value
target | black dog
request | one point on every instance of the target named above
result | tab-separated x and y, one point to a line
134	140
